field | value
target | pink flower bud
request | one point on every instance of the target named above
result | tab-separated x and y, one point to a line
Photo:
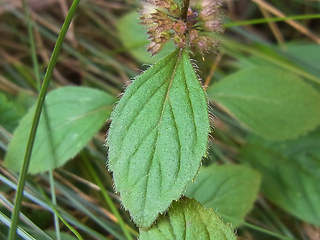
179	27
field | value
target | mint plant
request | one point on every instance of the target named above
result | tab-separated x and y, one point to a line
263	157
159	130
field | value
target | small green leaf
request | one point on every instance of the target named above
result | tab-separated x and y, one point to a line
188	220
71	116
158	136
134	38
272	103
229	189
10	113
291	173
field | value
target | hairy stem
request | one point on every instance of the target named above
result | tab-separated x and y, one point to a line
186	4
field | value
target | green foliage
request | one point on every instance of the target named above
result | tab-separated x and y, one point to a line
271	102
188	220
276	98
307	56
10	113
229	189
158	136
291	173
71	116
133	37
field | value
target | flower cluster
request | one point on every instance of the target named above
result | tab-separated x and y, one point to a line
164	20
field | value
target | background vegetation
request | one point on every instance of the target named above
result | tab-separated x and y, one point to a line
264	99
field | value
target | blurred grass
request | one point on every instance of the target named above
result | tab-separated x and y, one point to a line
94	56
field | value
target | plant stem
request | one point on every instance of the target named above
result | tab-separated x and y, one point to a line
38	83
277	60
36	118
107	198
268	20
258	229
275	218
56	212
186	4
54	202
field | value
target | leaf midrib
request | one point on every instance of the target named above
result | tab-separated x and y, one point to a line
73	119
159	123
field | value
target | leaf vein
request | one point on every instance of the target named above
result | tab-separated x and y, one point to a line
171	226
143	83
171	79
184	236
136	150
178	138
205	226
135	118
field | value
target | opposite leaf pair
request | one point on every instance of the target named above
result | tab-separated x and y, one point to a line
156	141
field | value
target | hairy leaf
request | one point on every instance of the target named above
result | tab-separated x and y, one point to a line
272	103
71	116
188	220
229	189
291	173
157	137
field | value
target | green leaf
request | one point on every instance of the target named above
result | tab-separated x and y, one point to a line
158	136
70	118
188	220
306	56
229	189
291	173
10	113
134	38
272	103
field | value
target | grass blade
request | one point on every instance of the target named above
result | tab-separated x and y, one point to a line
40	102
107	198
